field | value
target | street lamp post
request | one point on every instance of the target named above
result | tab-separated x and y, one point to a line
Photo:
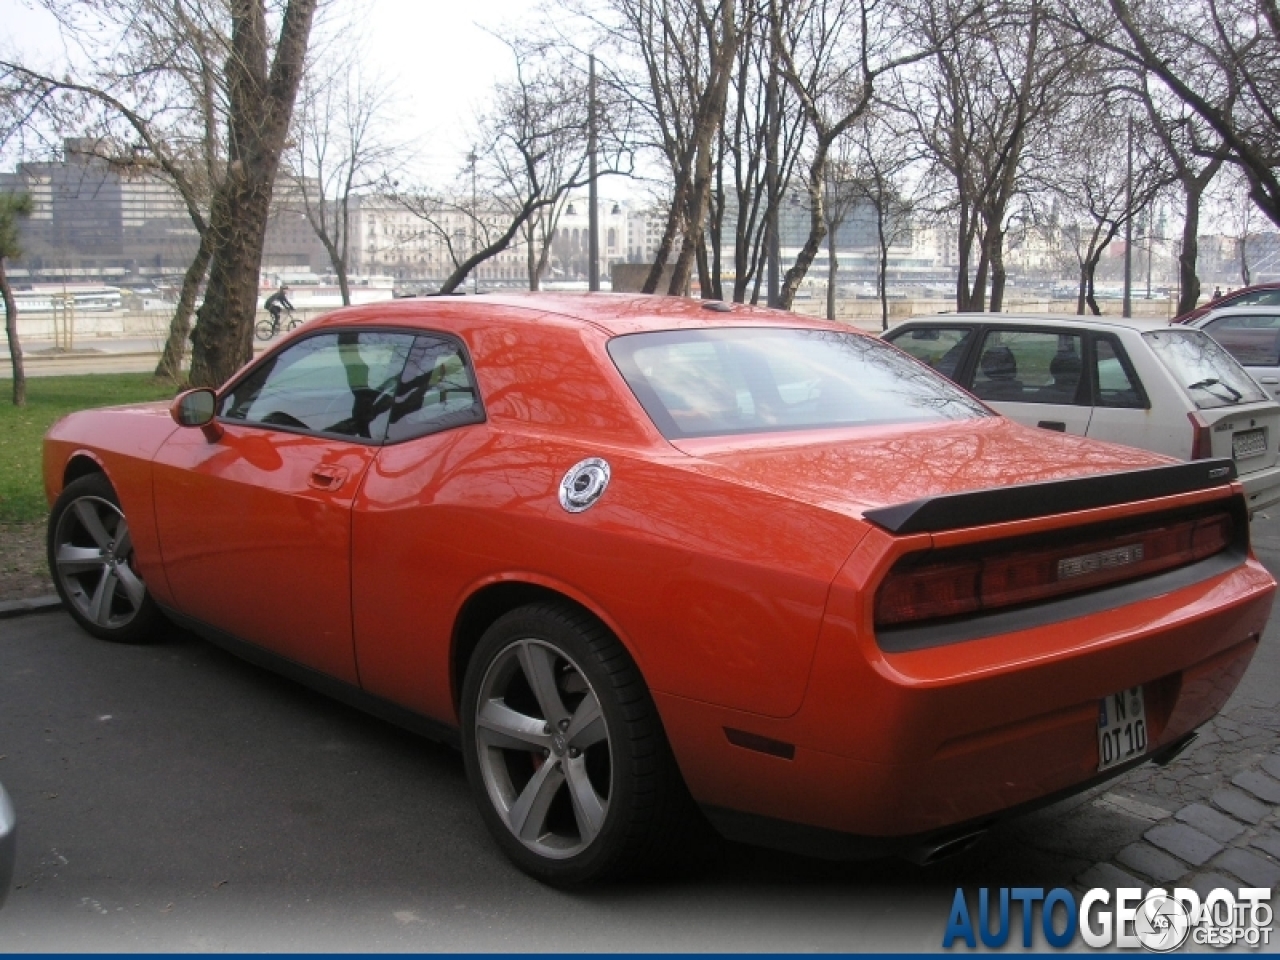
475	228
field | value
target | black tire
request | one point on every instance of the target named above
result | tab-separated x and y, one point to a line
264	330
91	560
294	322
605	800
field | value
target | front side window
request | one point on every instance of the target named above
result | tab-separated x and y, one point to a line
334	383
1029	366
940	348
1209	374
700	383
1252	340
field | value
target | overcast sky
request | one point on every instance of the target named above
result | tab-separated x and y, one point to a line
437	53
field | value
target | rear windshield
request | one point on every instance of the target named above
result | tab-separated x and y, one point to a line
704	383
1205	370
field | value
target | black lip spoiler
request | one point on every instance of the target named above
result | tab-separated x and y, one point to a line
976	508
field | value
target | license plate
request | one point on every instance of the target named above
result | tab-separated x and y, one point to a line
1248	443
1122	728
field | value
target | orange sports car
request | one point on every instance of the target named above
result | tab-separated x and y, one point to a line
649	560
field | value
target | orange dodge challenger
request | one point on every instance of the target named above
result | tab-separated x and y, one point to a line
640	557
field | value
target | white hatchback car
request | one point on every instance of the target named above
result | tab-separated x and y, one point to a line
1173	390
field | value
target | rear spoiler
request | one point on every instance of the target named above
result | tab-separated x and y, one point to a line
977	508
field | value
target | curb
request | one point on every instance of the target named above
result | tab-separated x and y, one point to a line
22	608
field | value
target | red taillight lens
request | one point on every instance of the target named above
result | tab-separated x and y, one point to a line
915	591
1201	437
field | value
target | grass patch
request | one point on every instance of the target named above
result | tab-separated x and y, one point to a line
48	398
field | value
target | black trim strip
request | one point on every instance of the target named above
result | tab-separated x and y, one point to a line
942	633
320	682
975	508
754	741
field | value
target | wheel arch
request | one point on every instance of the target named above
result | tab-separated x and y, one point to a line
81	464
493	600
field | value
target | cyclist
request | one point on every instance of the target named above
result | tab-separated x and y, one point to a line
275	303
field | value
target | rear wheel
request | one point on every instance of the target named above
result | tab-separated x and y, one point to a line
264	330
565	752
92	561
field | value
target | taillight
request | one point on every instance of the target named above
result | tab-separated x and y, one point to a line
1201	437
918	590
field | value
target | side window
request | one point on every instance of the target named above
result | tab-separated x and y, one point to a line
436	391
333	383
1256	298
1117	384
1030	366
940	349
1254	341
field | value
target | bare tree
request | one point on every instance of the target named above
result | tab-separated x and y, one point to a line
994	85
532	156
832	55
1089	178
1221	58
340	149
12	207
182	110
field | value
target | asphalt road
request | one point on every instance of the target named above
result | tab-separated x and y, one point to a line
172	797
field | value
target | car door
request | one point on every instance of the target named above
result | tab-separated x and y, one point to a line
255	527
943	348
1126	409
1034	376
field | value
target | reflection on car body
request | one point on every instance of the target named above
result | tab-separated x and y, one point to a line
641	559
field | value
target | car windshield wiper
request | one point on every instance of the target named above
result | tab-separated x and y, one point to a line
1236	395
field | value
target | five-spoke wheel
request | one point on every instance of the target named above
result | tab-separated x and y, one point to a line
91	558
565	751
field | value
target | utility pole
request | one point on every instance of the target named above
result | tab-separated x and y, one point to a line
772	132
1127	308
475	224
593	200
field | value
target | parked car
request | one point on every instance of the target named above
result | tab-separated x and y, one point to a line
1252	336
8	844
1166	389
1257	295
636	553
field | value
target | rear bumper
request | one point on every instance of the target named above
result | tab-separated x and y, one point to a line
898	746
1261	488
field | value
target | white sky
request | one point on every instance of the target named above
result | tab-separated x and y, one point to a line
437	53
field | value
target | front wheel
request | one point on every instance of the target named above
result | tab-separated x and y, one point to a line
92	562
565	752
294	321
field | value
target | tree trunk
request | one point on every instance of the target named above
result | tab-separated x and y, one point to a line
1083	293
1244	260
261	98
15	348
1090	268
833	268
995	256
175	348
1188	278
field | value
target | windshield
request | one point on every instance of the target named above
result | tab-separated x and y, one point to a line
1205	370
704	383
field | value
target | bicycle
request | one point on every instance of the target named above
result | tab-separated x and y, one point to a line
266	329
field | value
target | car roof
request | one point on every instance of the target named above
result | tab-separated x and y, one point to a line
614	313
1045	319
1246	311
